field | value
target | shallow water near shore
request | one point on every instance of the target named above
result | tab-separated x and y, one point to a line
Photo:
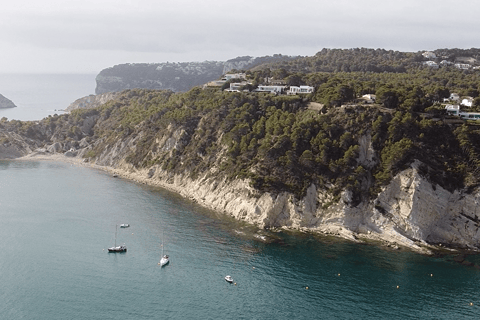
57	221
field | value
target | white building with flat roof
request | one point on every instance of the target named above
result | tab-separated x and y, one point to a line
300	90
230	76
429	55
272	89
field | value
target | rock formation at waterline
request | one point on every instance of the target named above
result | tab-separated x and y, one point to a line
6	103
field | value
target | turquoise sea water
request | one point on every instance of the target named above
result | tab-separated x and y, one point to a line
57	220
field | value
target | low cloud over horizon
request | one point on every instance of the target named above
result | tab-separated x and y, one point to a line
88	36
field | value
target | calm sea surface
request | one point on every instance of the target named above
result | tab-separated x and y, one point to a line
57	221
39	95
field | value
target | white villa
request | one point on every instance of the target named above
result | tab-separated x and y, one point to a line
230	76
369	98
302	89
235	86
431	64
429	55
271	89
467	102
455	111
463	66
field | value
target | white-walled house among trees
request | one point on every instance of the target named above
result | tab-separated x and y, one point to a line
429	55
230	76
272	89
301	89
467	102
431	64
454	110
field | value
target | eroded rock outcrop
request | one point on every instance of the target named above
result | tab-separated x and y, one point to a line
92	101
6	103
410	211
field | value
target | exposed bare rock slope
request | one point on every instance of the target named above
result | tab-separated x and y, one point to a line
341	180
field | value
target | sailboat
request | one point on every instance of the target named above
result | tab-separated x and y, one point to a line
121	248
164	259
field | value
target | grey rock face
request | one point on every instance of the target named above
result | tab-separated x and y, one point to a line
92	101
6	103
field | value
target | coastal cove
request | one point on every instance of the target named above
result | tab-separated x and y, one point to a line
55	263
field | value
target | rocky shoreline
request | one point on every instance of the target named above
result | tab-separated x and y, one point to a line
200	192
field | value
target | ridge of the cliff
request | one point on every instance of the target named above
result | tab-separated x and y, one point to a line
175	76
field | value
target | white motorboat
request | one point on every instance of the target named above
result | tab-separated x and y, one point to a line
164	260
121	248
124	225
115	248
229	279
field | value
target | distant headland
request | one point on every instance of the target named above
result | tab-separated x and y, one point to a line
6	103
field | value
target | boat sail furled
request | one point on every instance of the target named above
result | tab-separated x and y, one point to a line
121	248
164	259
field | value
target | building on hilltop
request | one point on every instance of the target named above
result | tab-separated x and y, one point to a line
275	82
431	64
463	66
369	98
271	89
467	102
429	55
236	86
230	76
302	89
454	110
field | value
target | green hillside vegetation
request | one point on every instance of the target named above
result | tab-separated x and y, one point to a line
279	144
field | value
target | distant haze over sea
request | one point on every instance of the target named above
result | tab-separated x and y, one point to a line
39	95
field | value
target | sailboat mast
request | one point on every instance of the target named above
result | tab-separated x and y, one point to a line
162	242
116	235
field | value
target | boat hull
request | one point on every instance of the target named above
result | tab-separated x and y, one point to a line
163	262
118	249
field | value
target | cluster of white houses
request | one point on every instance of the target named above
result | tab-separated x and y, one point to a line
432	64
273	86
454	109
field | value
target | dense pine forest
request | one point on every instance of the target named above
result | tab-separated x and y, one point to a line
279	142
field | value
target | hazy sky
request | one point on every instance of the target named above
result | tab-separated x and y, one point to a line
86	36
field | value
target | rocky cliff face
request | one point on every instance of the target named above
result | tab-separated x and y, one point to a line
410	211
92	101
6	103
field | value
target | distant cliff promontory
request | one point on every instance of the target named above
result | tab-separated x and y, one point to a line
178	77
6	103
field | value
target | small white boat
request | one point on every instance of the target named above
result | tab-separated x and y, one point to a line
164	260
124	225
121	248
229	279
